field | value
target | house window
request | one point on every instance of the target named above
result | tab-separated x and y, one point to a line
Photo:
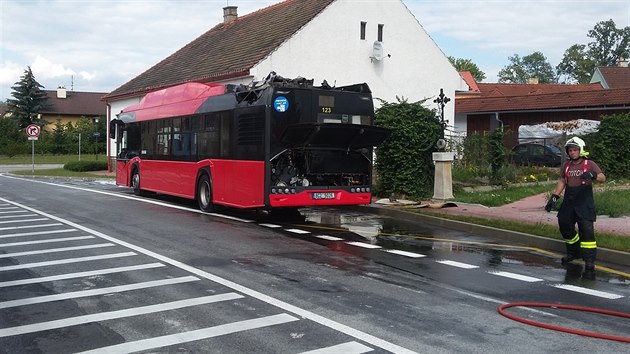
380	32
363	25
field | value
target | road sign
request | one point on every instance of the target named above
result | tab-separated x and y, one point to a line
33	130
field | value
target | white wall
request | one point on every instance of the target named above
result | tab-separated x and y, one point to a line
329	47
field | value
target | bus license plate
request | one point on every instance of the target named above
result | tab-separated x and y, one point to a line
324	195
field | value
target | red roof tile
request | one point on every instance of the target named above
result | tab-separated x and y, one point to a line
616	76
506	90
560	100
228	49
470	81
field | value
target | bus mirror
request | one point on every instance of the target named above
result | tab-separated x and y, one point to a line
112	127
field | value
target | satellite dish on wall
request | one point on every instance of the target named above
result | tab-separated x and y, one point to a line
377	50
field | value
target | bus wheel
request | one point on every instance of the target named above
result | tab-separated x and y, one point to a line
204	194
135	182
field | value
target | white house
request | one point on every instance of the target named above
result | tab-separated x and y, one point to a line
344	42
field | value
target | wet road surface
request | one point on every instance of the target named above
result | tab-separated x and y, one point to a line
464	276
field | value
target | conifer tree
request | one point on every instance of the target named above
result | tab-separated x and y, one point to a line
28	100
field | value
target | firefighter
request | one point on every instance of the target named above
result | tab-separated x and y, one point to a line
578	205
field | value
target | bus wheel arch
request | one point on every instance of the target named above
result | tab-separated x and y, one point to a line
203	191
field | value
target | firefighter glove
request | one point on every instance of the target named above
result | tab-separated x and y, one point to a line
588	175
551	202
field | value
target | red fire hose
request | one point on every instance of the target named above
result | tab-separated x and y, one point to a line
564	329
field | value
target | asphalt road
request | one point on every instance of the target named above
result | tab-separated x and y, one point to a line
85	265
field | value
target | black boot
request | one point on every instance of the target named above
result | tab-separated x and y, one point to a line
589	269
589	262
573	252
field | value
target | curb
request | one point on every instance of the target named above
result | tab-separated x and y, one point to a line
603	254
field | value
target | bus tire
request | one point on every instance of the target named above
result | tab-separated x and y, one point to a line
204	194
135	182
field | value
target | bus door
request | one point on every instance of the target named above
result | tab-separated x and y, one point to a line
128	147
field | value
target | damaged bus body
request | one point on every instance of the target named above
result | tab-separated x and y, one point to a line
277	144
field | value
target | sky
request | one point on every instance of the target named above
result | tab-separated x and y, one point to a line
98	45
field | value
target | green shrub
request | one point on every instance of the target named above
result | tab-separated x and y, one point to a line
610	145
84	166
404	162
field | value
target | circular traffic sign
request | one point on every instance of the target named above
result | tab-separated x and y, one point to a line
33	130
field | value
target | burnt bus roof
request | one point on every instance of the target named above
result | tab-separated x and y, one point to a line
195	97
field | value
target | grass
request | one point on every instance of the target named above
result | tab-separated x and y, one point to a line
50	159
501	196
59	172
47	159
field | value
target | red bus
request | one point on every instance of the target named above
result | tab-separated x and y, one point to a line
281	143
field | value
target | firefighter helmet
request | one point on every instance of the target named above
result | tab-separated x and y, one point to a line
578	143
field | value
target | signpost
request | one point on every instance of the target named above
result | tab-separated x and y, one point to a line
32	131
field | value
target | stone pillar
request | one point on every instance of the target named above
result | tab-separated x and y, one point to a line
443	184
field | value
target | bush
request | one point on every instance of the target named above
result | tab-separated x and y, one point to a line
610	146
404	162
85	166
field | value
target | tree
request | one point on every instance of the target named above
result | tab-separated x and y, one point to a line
467	65
522	69
28	100
609	45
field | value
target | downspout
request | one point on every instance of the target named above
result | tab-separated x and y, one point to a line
496	116
109	118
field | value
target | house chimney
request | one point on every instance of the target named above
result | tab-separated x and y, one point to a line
623	62
61	92
532	81
229	14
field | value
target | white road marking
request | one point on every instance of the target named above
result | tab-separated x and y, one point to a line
406	254
50	240
365	337
516	276
226	216
345	348
28	226
363	244
67	261
104	316
54	250
16	216
190	336
329	238
90	273
272	226
458	264
22	220
298	231
23	234
12	210
95	292
579	289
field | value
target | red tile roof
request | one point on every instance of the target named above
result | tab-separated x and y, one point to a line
76	103
503	90
228	49
556	100
470	81
616	76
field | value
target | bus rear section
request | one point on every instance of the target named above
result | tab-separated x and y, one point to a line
321	146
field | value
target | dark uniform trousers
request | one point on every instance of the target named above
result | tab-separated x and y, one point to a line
578	207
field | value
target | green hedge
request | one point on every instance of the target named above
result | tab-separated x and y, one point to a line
85	166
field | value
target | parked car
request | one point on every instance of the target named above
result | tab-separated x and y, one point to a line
534	154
